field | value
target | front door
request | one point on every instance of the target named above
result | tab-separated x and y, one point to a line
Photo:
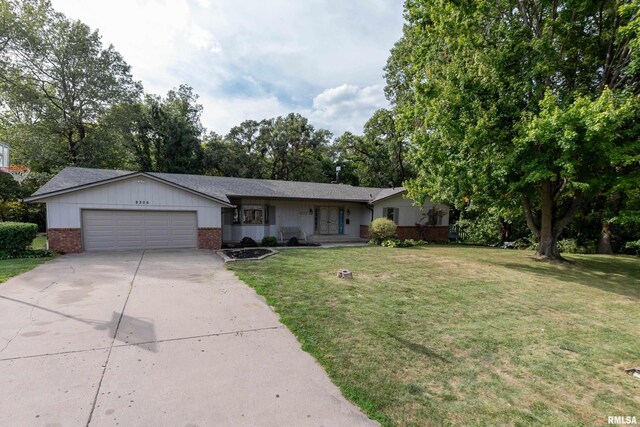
328	221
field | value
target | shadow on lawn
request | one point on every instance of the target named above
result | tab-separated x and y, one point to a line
420	349
613	274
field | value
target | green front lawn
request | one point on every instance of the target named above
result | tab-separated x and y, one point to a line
13	267
464	336
40	242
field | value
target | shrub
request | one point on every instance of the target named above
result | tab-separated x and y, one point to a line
411	242
382	229
269	241
633	246
16	237
572	246
28	253
391	243
248	242
293	242
396	243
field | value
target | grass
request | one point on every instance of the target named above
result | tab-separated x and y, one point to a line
40	241
451	335
13	267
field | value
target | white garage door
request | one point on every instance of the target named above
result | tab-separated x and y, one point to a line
104	230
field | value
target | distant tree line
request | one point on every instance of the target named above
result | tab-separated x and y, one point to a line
66	99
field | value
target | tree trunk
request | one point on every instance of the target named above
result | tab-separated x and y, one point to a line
544	224
73	149
548	247
604	246
548	244
504	230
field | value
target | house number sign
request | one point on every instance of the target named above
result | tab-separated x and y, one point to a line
142	202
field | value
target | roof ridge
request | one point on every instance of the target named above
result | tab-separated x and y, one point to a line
220	187
262	179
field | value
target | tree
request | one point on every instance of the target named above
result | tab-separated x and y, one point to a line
58	78
241	153
10	194
286	148
167	131
379	155
517	100
294	148
229	157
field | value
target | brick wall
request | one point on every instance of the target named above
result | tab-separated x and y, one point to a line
433	233
364	231
209	238
65	240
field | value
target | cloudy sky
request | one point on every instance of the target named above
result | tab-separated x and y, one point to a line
252	59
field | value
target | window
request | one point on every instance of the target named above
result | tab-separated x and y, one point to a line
391	213
252	214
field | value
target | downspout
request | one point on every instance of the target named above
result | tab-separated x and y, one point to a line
371	209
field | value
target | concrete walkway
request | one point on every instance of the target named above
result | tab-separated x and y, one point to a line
156	338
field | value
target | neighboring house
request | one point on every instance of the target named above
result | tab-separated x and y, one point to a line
97	209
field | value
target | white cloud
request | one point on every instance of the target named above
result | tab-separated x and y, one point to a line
254	56
347	107
222	114
202	39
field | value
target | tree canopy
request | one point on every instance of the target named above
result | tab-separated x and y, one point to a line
378	158
58	81
285	148
517	100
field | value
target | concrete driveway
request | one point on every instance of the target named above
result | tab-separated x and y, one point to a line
162	338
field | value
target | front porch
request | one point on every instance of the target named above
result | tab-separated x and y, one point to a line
335	238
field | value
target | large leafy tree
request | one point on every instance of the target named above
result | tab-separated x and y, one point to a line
58	81
379	156
166	132
286	148
521	100
294	148
241	153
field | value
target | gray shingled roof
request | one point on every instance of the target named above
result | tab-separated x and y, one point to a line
77	177
221	187
388	192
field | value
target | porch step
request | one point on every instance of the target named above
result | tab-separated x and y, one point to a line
335	238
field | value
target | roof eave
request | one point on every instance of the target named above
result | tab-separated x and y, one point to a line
35	198
50	194
253	196
374	201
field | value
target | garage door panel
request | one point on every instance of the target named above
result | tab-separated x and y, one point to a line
129	223
121	230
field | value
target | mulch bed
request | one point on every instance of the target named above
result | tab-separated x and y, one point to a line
246	253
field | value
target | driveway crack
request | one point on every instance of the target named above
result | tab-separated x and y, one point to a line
113	340
19	330
48	286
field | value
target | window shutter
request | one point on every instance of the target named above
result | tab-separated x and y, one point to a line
396	215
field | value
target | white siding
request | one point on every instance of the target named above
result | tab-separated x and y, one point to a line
131	194
409	214
295	213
